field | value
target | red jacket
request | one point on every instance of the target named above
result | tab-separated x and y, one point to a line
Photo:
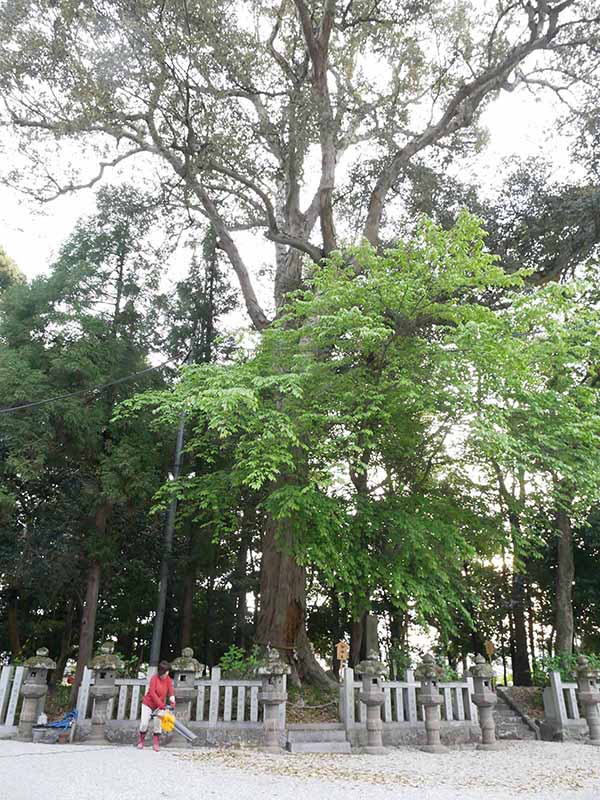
158	691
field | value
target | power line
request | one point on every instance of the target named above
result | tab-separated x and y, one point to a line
100	388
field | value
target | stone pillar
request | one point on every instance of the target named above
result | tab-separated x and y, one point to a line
185	671
372	670
485	699
34	691
272	696
429	696
105	666
589	697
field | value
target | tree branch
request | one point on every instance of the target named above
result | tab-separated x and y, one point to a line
459	114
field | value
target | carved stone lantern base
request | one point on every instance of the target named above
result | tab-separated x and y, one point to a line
434	748
492	747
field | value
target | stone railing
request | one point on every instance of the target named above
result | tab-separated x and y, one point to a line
563	720
374	712
572	709
401	704
218	710
403	716
217	700
11	679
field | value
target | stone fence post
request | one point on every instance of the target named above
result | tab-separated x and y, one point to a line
34	691
347	699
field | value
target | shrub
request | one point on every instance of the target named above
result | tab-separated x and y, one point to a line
237	662
565	663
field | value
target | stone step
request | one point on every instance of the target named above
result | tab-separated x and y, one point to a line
520	734
319	747
316	726
509	725
316	735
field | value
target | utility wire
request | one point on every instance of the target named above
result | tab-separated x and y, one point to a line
100	388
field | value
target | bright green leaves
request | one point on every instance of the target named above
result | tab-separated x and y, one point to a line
371	414
341	417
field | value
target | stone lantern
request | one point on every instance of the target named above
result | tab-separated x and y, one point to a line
429	696
185	671
372	670
589	697
272	696
34	691
105	666
485	699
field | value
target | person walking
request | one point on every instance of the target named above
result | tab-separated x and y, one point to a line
154	703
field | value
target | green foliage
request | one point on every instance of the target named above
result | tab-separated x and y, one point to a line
352	381
130	665
10	274
237	662
80	326
564	663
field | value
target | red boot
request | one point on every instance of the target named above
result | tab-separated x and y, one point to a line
155	742
140	744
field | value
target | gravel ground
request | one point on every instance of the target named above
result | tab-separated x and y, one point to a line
78	772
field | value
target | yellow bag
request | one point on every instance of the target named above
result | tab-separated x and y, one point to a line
167	722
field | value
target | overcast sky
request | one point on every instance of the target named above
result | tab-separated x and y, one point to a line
518	124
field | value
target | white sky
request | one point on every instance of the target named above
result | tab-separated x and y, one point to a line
518	124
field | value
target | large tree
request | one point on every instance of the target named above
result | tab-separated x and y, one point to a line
89	323
296	120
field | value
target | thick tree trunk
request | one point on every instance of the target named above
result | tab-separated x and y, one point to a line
282	612
520	662
357	636
88	626
564	585
399	629
399	622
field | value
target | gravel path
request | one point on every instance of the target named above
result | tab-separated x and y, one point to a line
536	770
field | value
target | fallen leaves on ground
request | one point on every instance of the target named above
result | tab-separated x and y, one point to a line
522	768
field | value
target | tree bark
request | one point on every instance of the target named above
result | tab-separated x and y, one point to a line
282	612
520	661
90	604
88	626
357	635
564	585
